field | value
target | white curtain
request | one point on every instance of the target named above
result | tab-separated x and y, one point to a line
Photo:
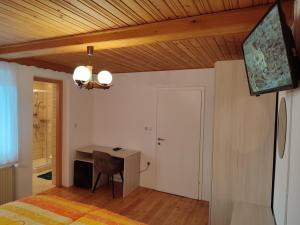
8	115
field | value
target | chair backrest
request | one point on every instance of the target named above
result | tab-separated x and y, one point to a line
104	162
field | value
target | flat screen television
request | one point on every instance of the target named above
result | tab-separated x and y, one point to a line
269	54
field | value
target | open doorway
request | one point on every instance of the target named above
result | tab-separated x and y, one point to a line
47	134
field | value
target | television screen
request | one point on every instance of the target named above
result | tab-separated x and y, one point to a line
267	55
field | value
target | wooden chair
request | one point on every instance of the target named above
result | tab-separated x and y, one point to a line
106	164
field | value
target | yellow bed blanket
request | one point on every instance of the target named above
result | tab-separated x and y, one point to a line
52	210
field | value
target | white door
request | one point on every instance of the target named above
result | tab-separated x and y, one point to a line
178	144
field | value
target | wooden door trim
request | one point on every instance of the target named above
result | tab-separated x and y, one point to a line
59	122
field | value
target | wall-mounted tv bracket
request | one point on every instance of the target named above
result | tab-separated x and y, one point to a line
294	53
297	62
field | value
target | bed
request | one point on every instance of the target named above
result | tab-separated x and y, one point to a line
53	210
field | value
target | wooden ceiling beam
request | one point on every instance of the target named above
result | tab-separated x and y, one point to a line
208	25
40	64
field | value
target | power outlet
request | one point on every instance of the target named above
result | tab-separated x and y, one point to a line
147	167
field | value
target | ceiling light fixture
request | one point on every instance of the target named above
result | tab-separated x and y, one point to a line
83	75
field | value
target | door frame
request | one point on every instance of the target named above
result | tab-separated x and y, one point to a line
59	122
201	138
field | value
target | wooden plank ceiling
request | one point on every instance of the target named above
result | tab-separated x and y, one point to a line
23	21
172	55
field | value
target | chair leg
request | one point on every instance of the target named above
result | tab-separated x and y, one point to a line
121	173
97	180
113	185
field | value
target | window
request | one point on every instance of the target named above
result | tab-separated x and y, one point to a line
8	115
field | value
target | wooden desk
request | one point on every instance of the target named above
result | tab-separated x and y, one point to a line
251	214
131	164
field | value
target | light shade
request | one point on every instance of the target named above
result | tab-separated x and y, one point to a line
104	77
82	73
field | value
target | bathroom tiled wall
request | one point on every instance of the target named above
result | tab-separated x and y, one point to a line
44	121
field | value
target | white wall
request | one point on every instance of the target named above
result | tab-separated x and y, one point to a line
293	205
293	215
287	187
122	113
115	118
80	123
287	179
75	110
287	204
282	167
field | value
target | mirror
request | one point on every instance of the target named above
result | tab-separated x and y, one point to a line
281	128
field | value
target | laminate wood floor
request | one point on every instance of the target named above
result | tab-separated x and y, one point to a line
145	205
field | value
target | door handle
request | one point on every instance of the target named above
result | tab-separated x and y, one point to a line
161	139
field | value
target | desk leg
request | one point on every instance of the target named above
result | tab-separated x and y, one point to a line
131	173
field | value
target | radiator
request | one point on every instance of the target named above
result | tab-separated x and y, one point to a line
7	187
